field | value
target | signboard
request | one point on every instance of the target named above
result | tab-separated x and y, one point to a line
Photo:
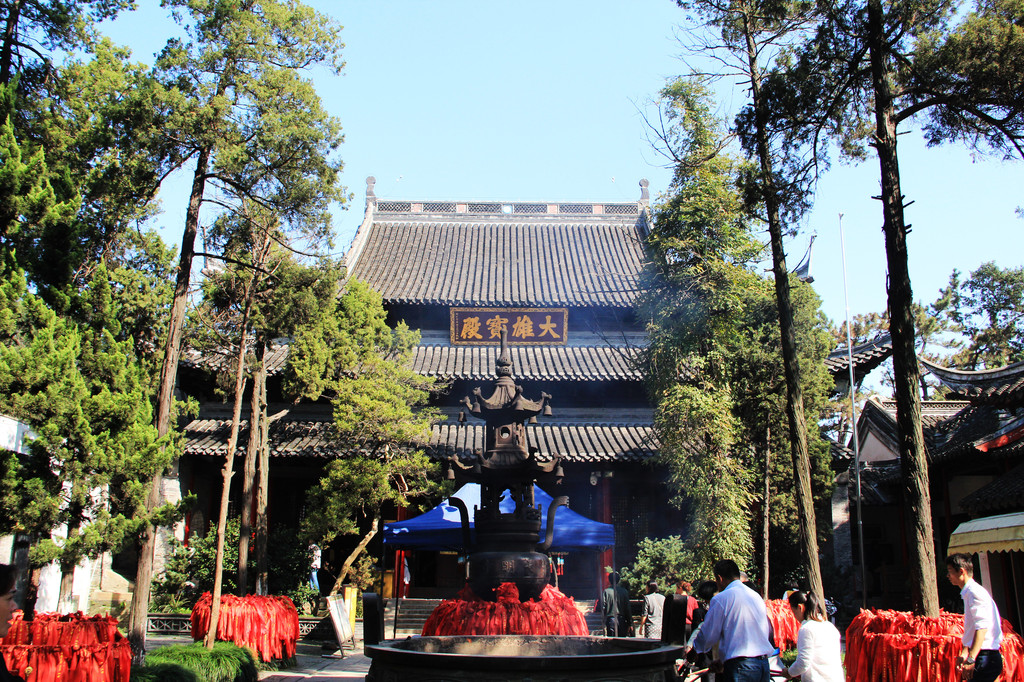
342	622
482	326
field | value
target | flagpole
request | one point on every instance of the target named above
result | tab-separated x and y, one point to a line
856	435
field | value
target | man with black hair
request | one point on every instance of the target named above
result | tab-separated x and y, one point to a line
737	621
618	615
979	658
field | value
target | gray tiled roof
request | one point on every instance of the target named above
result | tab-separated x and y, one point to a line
288	438
866	357
1003	495
592	443
1000	386
575	363
879	482
584	442
933	412
976	426
514	260
218	360
554	363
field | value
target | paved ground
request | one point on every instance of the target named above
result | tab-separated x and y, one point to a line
315	668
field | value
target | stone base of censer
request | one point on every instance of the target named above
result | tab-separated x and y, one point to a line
522	657
552	613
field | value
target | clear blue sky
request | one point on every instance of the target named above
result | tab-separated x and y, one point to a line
540	101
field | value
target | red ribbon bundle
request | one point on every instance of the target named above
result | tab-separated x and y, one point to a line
73	647
269	625
895	646
552	613
784	623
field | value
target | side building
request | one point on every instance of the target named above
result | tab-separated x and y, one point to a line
975	449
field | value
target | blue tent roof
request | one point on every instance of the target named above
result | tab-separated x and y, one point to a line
441	529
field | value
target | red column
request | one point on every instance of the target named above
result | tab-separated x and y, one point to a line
608	555
399	588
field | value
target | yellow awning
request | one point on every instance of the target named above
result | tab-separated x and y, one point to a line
1003	533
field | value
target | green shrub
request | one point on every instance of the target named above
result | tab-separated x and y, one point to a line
163	672
225	662
666	561
188	572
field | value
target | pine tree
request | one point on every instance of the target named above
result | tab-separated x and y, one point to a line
869	68
350	356
257	132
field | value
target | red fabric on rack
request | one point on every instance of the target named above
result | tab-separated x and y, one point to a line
269	625
895	646
784	623
67	648
552	613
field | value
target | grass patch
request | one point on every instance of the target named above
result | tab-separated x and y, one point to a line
163	672
226	662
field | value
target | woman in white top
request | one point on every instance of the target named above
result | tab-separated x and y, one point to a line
818	656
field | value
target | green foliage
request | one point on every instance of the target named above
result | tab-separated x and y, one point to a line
713	364
41	26
350	356
665	561
238	96
289	567
163	672
988	309
28	202
88	401
188	571
225	662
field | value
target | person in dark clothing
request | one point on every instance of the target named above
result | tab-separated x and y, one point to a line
618	616
7	608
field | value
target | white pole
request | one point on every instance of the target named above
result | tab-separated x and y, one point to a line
856	435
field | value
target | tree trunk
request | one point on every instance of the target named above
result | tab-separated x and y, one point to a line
351	559
263	484
229	465
7	51
31	593
790	361
67	567
764	513
906	373
139	612
67	579
248	477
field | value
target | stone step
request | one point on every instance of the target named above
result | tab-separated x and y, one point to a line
412	614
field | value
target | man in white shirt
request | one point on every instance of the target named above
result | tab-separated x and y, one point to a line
737	621
979	658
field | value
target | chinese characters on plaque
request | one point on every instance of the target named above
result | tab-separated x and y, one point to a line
482	326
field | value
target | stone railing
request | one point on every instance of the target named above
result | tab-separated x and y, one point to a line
181	624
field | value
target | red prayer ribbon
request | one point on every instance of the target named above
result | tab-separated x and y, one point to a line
267	624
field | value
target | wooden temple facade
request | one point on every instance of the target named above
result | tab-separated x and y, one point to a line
562	278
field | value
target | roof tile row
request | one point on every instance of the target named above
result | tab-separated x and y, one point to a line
520	262
577	363
590	442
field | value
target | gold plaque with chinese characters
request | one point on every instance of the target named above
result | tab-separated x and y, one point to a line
482	326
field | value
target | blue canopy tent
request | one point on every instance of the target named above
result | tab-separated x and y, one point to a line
441	529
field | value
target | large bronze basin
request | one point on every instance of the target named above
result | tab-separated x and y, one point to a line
522	657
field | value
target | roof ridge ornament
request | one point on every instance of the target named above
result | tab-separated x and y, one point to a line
370	182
